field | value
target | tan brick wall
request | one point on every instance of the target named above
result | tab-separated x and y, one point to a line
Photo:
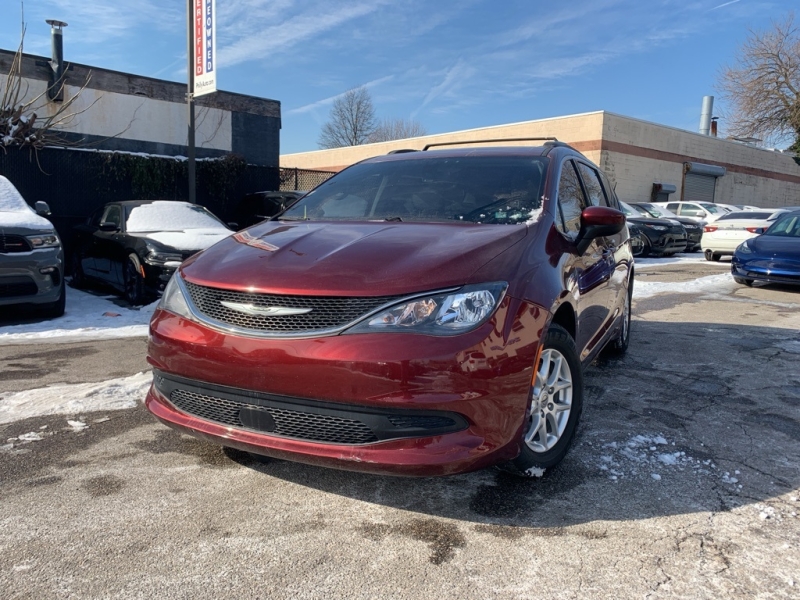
634	154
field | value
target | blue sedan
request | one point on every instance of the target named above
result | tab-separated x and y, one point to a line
773	257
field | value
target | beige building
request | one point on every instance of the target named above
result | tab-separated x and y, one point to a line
642	159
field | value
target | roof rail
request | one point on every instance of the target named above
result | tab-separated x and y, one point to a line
549	140
402	151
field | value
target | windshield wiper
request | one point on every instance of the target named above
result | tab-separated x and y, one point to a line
397	219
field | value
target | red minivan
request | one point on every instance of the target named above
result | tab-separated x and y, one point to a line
421	313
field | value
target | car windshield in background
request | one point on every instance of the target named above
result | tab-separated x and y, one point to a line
712	208
164	215
627	209
787	226
657	212
474	189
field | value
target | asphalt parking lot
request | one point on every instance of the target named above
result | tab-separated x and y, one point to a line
684	482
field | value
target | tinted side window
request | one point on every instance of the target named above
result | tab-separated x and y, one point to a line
592	185
571	200
673	206
112	215
94	218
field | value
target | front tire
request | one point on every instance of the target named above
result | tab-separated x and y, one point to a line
134	282
554	406
56	309
78	276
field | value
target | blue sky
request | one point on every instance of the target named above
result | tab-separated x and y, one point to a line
448	64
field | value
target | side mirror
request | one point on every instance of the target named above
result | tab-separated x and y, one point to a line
232	225
42	209
108	226
598	221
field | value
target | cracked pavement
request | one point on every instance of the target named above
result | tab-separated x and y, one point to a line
683	482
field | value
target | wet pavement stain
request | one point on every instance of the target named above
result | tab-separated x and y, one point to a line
443	538
104	485
780	423
512	496
515	533
51	480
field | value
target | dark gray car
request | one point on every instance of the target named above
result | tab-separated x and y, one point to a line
31	255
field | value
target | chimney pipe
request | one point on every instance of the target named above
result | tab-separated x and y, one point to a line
714	126
705	114
56	90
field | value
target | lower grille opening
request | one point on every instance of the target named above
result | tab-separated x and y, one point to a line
14	287
300	418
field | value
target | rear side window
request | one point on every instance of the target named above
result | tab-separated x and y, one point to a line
571	200
673	206
592	185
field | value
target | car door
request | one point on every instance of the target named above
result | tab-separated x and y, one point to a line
590	272
105	246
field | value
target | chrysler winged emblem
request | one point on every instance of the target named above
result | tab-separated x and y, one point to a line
265	311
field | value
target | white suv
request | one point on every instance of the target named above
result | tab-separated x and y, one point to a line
700	211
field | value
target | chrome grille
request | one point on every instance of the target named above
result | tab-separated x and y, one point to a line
288	423
327	312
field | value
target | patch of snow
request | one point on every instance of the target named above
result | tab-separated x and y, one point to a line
190	239
115	394
722	282
77	425
681	258
655	476
33	436
168	215
640	455
84	318
534	472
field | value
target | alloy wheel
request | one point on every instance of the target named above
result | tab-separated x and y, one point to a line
551	402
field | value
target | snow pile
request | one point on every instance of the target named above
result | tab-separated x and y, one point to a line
167	215
190	239
115	394
682	258
722	282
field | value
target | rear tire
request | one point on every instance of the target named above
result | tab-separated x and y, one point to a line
78	276
712	256
554	409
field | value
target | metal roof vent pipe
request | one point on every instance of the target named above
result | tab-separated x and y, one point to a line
56	90
705	114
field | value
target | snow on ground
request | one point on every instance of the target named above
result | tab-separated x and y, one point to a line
722	282
87	316
74	399
688	258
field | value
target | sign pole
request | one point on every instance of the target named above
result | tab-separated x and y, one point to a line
190	99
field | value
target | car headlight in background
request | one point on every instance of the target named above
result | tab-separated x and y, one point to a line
656	227
448	313
159	257
173	299
44	240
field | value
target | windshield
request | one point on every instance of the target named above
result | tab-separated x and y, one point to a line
628	210
712	208
655	211
165	215
472	189
787	226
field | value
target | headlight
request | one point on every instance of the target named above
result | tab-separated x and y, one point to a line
744	248
656	227
159	256
173	299
449	313
44	240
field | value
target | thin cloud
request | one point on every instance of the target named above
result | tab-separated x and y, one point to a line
724	5
456	76
328	101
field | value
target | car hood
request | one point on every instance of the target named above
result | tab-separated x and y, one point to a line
651	221
370	259
23	222
773	246
188	240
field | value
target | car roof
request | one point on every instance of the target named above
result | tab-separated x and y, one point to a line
475	151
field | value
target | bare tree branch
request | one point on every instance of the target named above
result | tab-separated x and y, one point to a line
351	122
763	87
397	129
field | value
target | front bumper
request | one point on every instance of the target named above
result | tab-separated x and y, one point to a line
33	277
481	378
765	270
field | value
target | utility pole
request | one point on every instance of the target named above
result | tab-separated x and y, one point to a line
190	98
